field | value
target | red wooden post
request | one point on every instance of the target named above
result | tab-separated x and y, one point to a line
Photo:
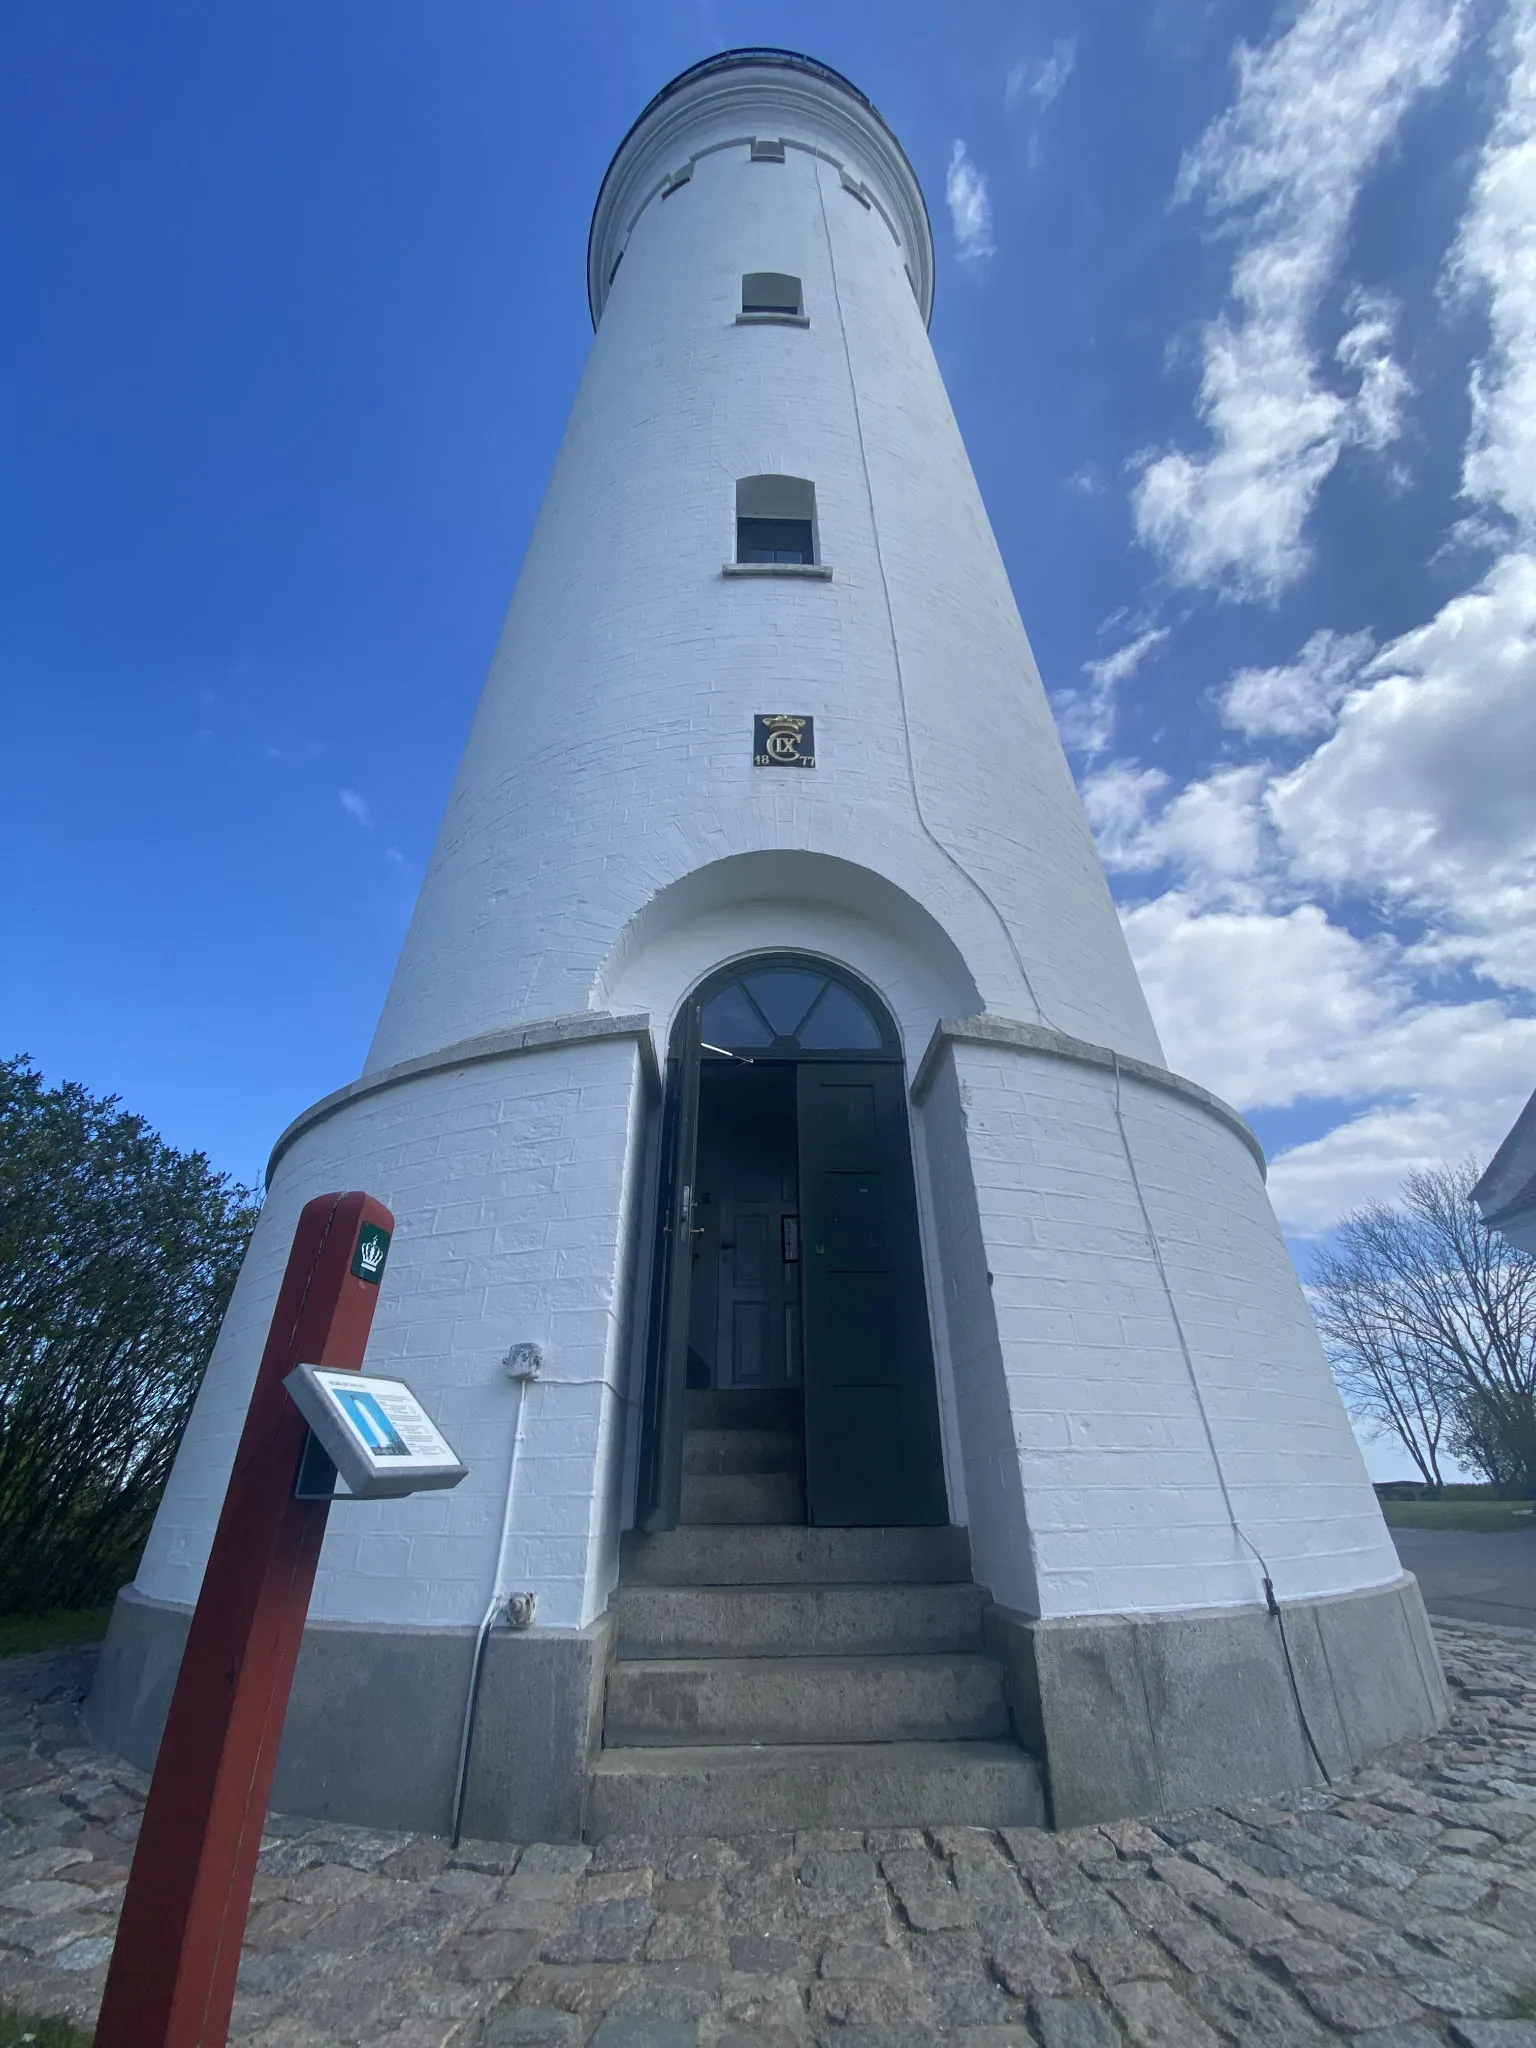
172	1979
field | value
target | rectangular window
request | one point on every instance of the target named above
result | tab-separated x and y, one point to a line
774	540
770	291
776	528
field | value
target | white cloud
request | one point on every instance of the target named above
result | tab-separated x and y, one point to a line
1086	717
1213	833
1259	1005
1422	796
1367	1158
1420	800
970	209
1272	1009
1410	814
1496	255
1119	801
1280	170
1115	668
1424	793
1301	697
356	808
1382	385
1044	79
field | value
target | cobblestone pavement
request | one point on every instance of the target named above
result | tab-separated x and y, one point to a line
1397	1910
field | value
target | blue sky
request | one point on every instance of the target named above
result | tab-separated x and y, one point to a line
1237	307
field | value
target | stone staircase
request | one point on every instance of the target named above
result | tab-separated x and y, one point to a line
744	1457
769	1676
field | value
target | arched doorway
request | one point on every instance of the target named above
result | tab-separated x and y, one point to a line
787	1262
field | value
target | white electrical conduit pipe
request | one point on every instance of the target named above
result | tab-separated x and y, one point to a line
494	1606
499	1597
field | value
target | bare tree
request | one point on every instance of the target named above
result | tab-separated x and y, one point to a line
1429	1319
1381	1370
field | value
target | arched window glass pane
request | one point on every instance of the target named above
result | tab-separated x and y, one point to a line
784	994
839	1023
730	1020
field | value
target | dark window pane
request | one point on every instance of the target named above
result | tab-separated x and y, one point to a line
773	540
730	1020
769	291
840	1022
784	994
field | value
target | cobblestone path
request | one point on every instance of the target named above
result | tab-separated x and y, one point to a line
1397	1910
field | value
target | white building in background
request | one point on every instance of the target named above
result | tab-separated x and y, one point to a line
1506	1194
765	1051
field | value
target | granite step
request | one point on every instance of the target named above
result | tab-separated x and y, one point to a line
727	1452
750	1790
796	1620
756	1555
694	1701
716	1500
744	1408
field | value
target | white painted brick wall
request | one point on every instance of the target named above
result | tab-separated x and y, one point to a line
607	843
611	752
1114	1504
907	970
515	1187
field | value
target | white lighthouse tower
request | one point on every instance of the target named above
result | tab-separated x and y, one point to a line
885	1375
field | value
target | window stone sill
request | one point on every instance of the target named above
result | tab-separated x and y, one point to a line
812	572
773	320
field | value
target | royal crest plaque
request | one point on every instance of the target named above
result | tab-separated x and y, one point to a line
783	739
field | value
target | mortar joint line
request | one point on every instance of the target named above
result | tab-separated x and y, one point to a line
890	618
1238	1530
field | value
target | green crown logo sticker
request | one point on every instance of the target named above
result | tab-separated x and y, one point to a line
372	1251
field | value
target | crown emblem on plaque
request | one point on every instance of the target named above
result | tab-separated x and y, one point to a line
372	1250
783	739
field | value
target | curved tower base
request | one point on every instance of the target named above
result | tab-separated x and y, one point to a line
1130	1716
372	1735
1149	1714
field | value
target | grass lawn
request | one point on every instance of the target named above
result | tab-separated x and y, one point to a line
1458	1514
60	1628
19	2027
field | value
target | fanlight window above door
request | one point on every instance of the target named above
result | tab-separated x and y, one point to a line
786	1010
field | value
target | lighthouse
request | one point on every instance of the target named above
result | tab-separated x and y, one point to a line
886	1393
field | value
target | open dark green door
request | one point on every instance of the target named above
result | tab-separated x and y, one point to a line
666	1376
872	1448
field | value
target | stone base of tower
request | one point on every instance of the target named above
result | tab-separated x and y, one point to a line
373	1727
1160	1713
1131	1714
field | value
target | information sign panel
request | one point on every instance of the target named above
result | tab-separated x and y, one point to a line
375	1431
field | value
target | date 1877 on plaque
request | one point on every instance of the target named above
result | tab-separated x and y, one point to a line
781	740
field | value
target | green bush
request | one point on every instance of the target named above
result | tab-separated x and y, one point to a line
117	1257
